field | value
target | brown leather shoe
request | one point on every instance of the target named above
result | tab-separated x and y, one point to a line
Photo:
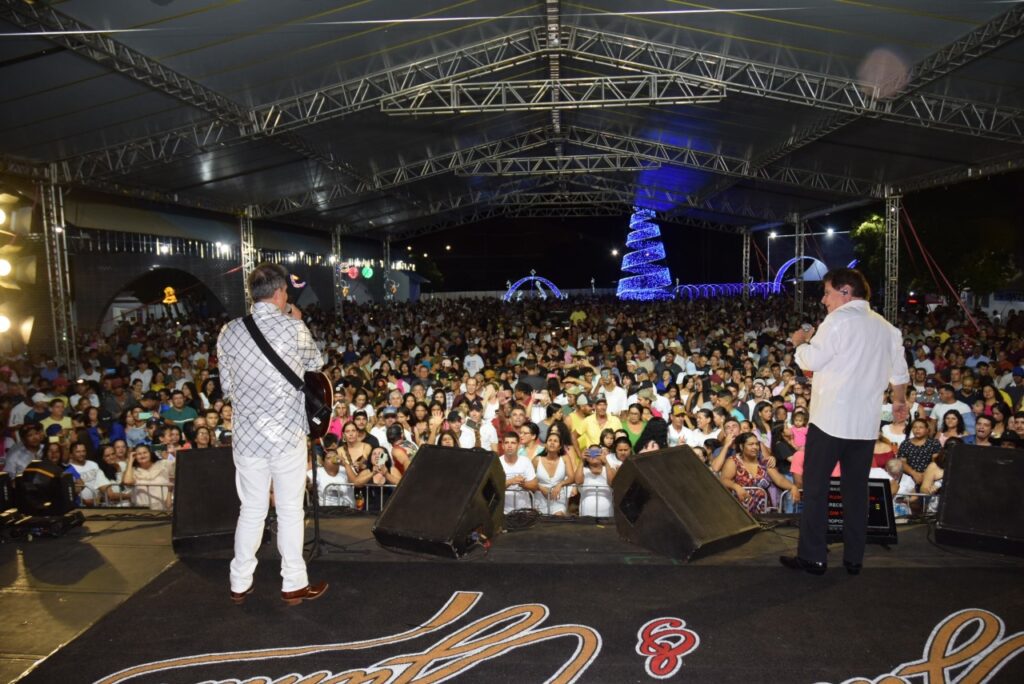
307	593
238	598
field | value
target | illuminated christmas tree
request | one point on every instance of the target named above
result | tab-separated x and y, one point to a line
650	280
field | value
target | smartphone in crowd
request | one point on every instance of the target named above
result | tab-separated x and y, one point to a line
472	424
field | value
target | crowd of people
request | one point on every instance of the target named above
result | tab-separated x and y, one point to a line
562	392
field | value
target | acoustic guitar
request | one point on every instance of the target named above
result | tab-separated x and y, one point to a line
319	393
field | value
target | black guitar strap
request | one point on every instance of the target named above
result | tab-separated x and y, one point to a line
268	351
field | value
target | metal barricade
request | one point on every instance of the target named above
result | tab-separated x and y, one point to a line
364	498
153	497
520	499
596	501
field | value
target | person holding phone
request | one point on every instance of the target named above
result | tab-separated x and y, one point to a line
594	479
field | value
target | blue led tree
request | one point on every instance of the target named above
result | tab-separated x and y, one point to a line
650	280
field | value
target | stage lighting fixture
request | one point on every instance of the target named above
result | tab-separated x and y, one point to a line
5	266
830	231
3	216
773	234
44	489
367	272
5	323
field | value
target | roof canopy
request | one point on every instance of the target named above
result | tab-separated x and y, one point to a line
394	118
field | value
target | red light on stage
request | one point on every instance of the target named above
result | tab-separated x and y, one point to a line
353	272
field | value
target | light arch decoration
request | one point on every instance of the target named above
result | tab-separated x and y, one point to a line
815	263
539	282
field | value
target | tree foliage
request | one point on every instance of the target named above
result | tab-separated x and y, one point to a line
972	250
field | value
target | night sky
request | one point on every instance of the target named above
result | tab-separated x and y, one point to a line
569	252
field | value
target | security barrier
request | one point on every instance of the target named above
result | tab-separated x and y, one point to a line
153	497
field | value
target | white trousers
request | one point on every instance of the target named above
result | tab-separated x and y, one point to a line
286	468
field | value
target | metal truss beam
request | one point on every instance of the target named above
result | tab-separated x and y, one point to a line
292	113
893	201
247	245
798	86
558	164
484	213
553	40
800	244
58	271
546	94
979	117
326	197
338	279
652	195
722	164
745	265
990	167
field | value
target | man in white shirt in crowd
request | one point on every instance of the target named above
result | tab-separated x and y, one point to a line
677	430
93	482
854	356
388	417
473	362
82	389
143	373
618	401
520	476
949	402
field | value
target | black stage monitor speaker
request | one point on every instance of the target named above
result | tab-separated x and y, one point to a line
669	502
205	501
980	502
447	496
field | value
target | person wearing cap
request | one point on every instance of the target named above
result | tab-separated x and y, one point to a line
599	420
387	417
854	355
581	410
467	438
677	429
269	435
484	434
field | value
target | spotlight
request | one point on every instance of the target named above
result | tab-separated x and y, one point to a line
615	252
447	248
830	231
5	265
772	234
408	248
424	255
5	323
3	216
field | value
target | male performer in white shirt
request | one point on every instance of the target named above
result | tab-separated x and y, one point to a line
269	432
855	355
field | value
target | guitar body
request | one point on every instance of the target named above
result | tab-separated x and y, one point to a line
319	386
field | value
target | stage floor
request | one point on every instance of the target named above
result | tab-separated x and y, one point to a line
570	598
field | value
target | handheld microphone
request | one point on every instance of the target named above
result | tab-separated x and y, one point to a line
807	327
